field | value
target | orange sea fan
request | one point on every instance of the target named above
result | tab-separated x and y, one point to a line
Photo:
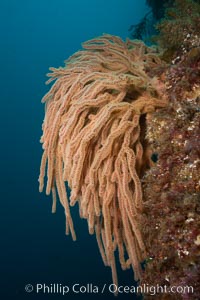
93	138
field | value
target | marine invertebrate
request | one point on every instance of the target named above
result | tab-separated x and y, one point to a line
93	139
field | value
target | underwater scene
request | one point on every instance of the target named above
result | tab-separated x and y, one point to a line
100	149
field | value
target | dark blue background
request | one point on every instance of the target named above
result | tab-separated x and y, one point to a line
37	34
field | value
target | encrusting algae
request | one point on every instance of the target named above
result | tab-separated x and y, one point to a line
171	218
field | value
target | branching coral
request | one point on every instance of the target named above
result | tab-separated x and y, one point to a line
93	138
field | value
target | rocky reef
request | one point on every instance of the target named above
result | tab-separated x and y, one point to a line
171	218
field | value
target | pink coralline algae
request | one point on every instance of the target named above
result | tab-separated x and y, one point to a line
171	187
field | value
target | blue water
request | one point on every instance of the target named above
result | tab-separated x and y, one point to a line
37	34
